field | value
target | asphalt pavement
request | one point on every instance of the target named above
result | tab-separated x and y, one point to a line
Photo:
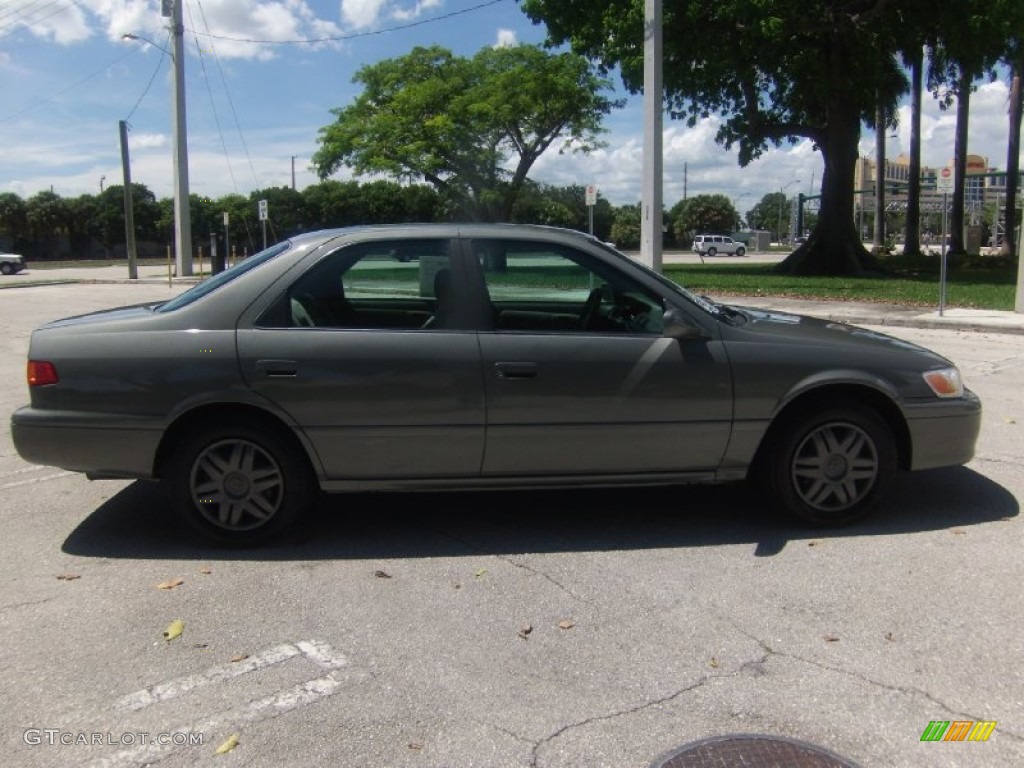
855	312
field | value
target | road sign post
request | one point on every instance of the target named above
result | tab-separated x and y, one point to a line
591	201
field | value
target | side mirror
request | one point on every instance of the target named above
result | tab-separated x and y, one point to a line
678	326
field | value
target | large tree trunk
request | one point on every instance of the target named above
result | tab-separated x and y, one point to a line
963	113
1013	158
834	246
912	235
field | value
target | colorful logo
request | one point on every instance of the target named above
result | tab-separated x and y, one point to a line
958	730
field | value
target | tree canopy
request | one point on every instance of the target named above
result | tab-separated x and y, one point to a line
471	127
773	71
711	214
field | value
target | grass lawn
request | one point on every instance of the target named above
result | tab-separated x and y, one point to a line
983	282
979	282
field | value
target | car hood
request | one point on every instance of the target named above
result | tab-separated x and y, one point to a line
785	327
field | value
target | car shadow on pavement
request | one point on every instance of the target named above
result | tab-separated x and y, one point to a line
138	523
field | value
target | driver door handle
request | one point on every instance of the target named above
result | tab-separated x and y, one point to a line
515	370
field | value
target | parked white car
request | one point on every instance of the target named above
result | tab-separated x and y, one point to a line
712	245
11	263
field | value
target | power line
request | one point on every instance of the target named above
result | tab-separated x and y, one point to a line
353	35
159	66
71	87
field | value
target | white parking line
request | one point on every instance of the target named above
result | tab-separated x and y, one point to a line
321	654
35	480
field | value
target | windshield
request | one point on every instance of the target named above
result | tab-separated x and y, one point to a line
215	282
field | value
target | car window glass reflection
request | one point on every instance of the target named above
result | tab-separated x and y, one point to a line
540	287
392	285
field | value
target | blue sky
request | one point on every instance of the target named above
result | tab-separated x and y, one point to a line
68	77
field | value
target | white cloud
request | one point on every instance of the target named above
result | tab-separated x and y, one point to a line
273	20
64	24
147	140
361	13
506	39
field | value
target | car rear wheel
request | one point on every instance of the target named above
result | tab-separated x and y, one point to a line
6	268
712	251
239	485
831	466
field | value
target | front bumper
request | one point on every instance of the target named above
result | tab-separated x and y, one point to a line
944	433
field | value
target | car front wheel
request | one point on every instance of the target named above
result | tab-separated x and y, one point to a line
239	485
741	251
830	467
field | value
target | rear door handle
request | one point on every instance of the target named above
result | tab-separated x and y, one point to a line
515	370
278	369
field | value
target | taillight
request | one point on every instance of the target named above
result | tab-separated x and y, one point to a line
41	373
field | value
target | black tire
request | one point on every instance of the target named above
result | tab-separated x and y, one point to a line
830	466
239	485
741	251
712	251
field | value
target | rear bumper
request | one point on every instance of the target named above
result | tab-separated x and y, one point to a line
944	434
81	443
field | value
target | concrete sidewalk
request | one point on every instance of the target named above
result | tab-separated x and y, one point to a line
856	312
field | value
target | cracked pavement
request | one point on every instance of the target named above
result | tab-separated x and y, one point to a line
657	617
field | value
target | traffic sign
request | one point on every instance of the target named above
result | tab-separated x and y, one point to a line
591	194
263	210
944	182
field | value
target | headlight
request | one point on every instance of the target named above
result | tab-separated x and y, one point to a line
945	382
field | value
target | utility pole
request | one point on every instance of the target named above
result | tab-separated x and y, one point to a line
129	210
293	173
182	215
650	215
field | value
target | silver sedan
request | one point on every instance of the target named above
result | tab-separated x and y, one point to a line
476	356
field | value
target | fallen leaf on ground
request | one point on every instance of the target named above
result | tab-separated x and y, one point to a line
201	646
382	574
68	577
239	657
206	571
170	584
480	572
1011	421
713	662
415	745
174	629
566	624
456	585
230	743
889	636
813	543
831	639
525	631
958	531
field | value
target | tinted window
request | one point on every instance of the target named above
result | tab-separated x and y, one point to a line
215	282
546	287
402	284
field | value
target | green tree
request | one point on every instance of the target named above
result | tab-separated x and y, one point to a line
13	219
711	214
777	71
286	212
771	212
625	230
456	123
47	215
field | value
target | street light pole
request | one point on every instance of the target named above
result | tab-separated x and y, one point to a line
182	215
782	203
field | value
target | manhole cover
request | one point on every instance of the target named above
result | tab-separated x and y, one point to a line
751	751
